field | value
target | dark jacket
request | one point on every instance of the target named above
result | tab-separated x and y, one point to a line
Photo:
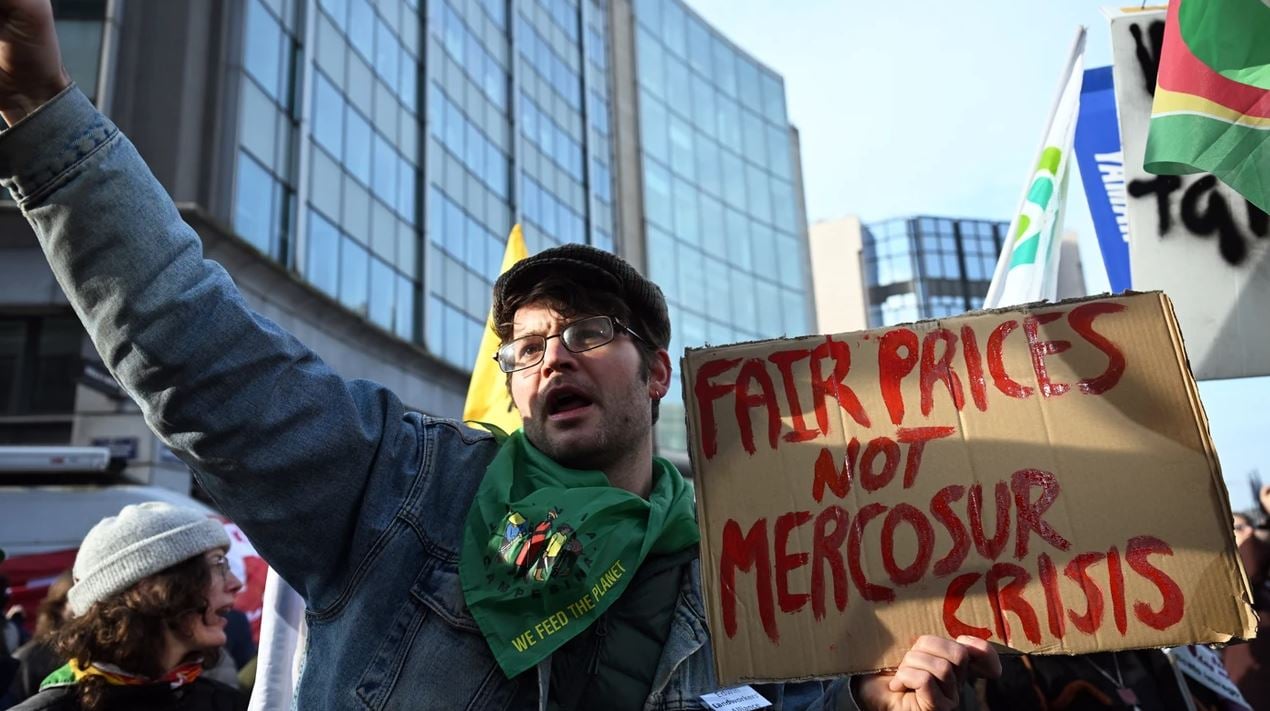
1087	682
36	661
202	695
1248	663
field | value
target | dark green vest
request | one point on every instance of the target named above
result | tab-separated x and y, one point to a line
611	664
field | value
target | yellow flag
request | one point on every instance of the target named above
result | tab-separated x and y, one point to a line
487	397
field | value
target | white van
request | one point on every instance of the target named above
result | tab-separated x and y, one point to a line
44	513
39	519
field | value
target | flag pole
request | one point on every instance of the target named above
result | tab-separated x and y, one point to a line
997	285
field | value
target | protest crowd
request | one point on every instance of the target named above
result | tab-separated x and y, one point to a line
428	555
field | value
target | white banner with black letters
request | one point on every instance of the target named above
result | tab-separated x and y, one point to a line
1190	236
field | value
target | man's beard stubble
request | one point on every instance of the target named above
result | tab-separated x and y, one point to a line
618	435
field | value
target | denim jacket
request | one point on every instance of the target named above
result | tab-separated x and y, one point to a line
358	502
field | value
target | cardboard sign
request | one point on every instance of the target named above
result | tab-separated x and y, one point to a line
1190	235
1039	477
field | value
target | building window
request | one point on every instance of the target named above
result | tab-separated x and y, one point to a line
264	185
382	289
267	55
354	272
322	268
328	115
361	28
39	364
79	28
357	145
259	207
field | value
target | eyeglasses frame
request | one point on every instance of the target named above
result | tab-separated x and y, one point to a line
615	320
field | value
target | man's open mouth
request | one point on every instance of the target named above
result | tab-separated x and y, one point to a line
566	400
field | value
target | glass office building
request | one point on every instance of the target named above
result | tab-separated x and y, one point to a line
386	162
724	222
928	267
343	211
518	132
469	156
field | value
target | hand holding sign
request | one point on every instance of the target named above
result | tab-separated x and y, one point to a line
931	675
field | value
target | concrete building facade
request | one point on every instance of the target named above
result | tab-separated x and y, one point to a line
837	275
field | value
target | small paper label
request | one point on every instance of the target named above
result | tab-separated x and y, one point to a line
1202	664
738	698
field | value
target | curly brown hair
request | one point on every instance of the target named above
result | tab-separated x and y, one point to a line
126	629
52	611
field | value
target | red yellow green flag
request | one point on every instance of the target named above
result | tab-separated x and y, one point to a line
1212	98
487	398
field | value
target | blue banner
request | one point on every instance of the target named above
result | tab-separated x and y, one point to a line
1101	164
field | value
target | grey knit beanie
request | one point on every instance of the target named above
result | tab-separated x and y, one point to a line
141	541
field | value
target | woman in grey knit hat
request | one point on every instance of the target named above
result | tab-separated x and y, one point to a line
151	587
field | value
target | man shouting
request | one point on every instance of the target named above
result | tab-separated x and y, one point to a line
424	550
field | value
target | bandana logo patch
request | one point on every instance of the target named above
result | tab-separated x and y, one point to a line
536	552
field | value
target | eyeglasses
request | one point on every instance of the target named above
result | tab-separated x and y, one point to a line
221	565
578	337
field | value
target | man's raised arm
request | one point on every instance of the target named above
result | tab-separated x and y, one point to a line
281	442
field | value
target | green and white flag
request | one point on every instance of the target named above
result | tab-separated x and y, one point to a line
1027	270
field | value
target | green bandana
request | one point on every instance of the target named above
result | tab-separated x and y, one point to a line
547	549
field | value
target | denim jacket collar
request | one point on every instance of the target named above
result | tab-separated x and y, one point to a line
688	634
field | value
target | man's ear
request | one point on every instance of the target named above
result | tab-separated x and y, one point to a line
659	372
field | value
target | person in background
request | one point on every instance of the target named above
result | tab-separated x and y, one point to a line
1139	679
10	633
1243	527
247	677
37	658
16	616
1248	663
240	646
8	665
1260	516
151	587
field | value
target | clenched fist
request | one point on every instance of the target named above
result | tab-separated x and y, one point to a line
931	675
31	70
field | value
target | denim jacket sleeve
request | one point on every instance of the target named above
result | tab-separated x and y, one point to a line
310	465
